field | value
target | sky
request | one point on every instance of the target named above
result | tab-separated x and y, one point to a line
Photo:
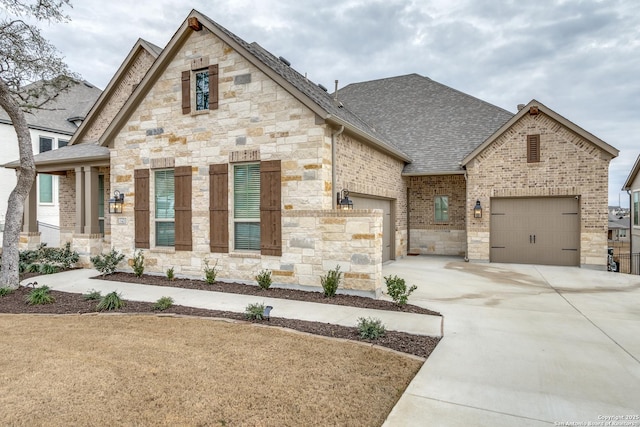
579	58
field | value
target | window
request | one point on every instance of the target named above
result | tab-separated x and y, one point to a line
62	143
45	182
246	199
46	144
164	207
533	148
202	90
442	208
101	203
636	206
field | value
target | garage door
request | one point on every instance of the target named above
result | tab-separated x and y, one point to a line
536	231
361	202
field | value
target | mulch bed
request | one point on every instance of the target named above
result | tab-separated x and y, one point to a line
282	293
70	303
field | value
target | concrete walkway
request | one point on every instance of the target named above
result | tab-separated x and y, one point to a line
524	345
79	281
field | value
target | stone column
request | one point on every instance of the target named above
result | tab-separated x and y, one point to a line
91	201
79	201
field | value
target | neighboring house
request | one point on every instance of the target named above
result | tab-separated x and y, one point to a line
225	153
618	229
632	186
51	127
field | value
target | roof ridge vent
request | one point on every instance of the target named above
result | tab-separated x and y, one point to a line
284	61
323	88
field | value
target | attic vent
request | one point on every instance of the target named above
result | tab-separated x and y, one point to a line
323	88
284	61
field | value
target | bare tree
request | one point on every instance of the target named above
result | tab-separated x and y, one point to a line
31	73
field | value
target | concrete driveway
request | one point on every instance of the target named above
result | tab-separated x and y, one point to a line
524	345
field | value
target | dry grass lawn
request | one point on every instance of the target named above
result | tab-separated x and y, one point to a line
149	370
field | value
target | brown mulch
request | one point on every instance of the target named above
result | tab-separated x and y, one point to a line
282	293
69	303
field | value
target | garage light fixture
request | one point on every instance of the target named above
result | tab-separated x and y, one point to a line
116	204
477	210
343	201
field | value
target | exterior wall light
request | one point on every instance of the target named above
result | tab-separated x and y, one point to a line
116	204
477	210
343	200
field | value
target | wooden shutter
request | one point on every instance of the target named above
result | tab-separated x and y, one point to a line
219	208
533	148
186	92
182	208
270	208
141	208
213	87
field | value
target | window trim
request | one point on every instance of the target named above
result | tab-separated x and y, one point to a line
435	209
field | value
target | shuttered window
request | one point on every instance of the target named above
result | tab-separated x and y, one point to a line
218	208
270	208
441	205
164	188
183	240
141	208
246	204
202	87
533	148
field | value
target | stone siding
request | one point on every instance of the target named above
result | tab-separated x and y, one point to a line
259	120
426	235
366	171
569	166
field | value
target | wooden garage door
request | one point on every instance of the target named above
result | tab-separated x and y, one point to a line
536	231
361	202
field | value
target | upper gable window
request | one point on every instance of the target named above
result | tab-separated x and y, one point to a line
200	90
533	148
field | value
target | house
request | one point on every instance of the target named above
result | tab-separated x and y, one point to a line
632	186
50	127
225	153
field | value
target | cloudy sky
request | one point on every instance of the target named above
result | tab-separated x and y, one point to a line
579	58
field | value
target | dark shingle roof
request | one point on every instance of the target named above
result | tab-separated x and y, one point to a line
74	103
71	153
437	126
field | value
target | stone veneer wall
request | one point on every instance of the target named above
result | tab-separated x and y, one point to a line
256	120
367	171
569	166
426	235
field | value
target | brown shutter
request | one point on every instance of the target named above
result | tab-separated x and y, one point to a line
533	148
270	208
182	183
141	208
213	87
219	208
186	92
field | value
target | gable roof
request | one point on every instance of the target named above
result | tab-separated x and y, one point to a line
102	101
58	114
613	152
433	123
632	175
310	94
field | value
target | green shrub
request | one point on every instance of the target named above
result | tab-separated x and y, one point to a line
5	291
138	263
107	264
92	295
264	279
32	268
254	311
397	289
370	328
210	273
32	261
41	295
331	281
163	303
110	301
47	268
170	274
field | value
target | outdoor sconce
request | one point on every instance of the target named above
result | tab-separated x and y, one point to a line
477	210
343	200
116	204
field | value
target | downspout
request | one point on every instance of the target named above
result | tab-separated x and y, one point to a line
334	136
630	233
466	216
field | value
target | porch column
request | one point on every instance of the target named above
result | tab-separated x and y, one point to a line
30	215
91	201
79	201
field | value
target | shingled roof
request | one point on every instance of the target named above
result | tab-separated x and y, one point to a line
437	126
